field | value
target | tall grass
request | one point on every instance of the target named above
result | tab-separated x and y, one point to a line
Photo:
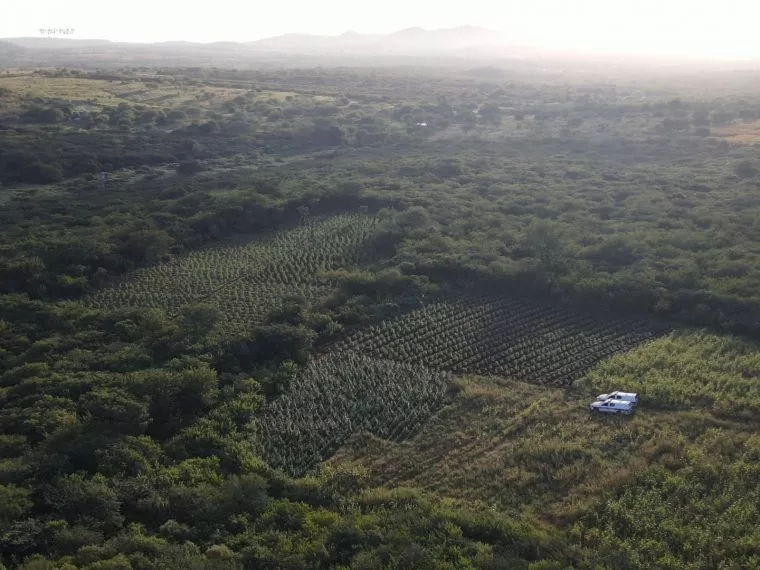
685	370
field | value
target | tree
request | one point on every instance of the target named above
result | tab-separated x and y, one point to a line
175	115
468	120
209	128
544	241
280	342
41	173
188	167
176	398
44	115
91	501
327	136
116	409
145	245
491	113
746	169
670	124
292	311
198	320
191	147
15	502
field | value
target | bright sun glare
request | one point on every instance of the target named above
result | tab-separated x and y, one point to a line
684	27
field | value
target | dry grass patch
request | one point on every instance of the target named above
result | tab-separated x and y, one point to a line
740	133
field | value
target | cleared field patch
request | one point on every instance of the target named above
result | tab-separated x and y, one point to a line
171	95
284	95
248	279
99	93
337	396
513	337
740	133
69	88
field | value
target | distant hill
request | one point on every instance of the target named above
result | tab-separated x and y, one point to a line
10	54
289	49
411	41
9	47
305	43
56	43
464	45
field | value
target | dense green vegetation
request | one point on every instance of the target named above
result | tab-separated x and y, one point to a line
580	191
212	280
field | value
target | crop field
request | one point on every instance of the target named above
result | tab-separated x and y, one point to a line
514	446
518	338
687	370
247	280
525	448
388	379
339	395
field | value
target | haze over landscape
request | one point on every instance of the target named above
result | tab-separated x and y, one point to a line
672	27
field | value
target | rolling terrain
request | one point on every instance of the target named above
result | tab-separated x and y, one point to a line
352	317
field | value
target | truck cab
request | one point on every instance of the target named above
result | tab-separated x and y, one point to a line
624	396
612	407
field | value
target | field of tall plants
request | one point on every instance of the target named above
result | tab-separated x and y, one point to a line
687	370
339	395
514	337
246	279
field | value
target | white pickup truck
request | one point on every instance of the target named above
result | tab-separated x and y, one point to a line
625	396
613	407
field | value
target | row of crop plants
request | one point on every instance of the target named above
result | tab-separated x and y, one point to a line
247	280
338	395
513	337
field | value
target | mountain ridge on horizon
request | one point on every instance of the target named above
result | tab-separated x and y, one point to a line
466	43
412	38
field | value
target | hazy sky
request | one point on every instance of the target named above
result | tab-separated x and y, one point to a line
727	28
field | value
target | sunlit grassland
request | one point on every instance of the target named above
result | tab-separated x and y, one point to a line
518	446
740	133
172	95
107	93
68	88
